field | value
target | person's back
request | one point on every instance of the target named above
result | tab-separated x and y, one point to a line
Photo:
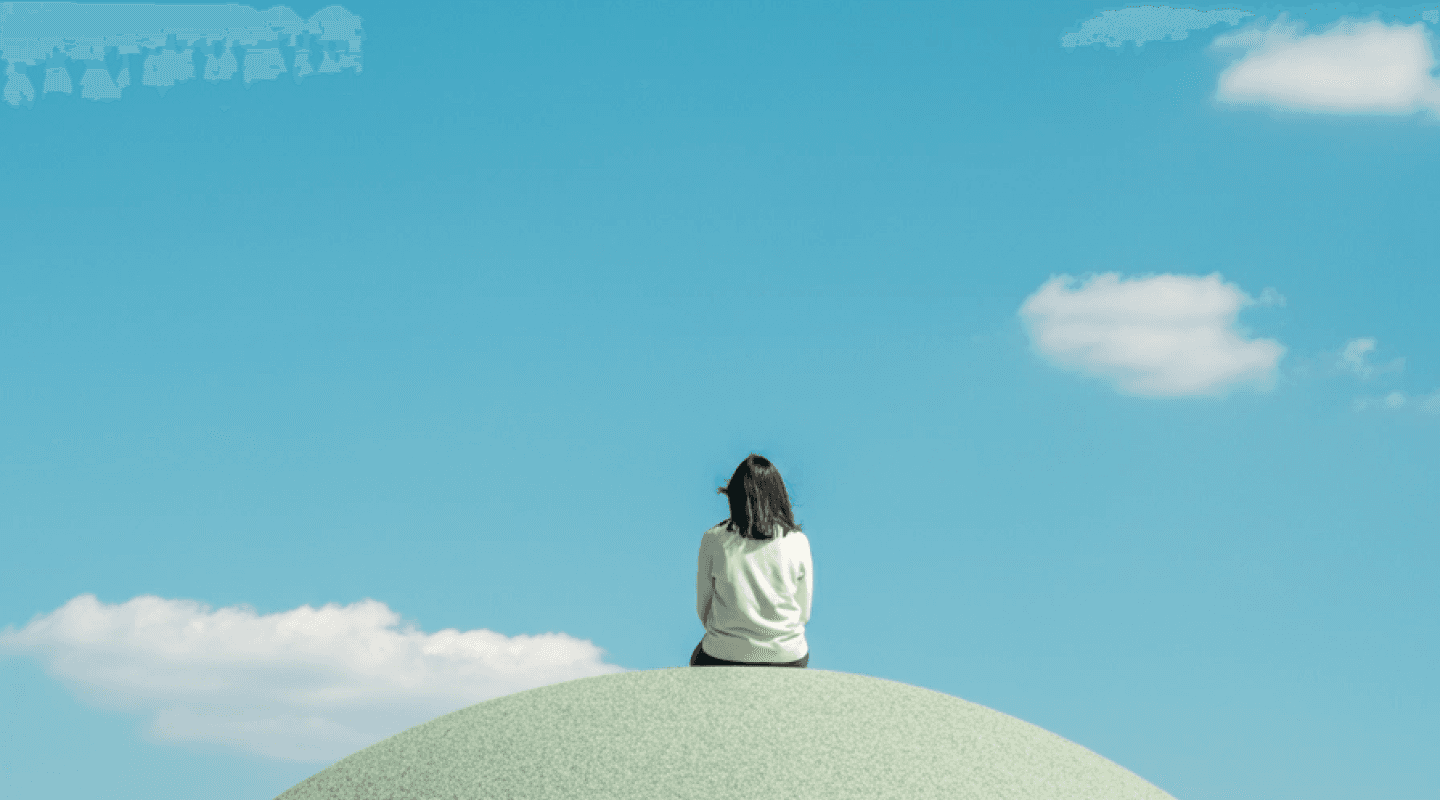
755	581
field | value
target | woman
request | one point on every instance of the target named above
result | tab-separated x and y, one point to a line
756	579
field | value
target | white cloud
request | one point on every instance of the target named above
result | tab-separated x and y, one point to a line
1147	24
1353	68
1163	335
310	685
1355	359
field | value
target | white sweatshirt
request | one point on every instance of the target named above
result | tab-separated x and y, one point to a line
754	596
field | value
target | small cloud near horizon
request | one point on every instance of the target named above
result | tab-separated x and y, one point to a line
1153	336
1141	24
305	685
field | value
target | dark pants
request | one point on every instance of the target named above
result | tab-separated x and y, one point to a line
700	658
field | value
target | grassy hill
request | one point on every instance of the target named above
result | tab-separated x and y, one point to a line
723	733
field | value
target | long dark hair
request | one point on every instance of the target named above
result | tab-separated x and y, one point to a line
758	501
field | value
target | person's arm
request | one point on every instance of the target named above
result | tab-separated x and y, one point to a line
703	590
807	586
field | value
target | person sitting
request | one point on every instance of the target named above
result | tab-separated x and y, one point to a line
756	579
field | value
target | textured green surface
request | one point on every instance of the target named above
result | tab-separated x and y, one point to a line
726	732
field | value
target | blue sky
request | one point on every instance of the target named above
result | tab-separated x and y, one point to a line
1097	345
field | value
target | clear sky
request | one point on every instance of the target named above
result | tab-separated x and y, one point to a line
1098	348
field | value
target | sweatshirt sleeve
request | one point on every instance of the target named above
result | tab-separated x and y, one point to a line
703	589
806	583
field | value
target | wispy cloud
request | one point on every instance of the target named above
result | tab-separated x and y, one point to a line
1399	401
1354	67
1143	24
1158	336
106	47
310	685
1354	359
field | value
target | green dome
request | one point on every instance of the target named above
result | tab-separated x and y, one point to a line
721	733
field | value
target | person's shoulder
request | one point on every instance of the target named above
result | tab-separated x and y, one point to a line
718	528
